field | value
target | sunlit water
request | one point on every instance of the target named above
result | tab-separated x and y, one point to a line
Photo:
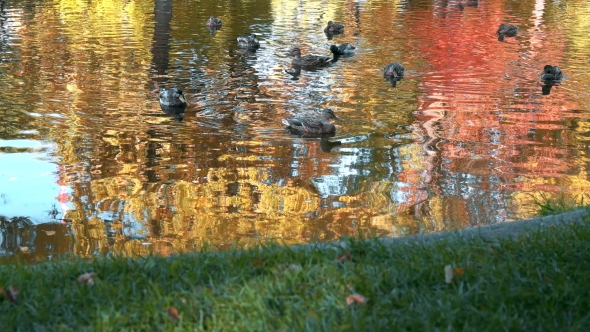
90	165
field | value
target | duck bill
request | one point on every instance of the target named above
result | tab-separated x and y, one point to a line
183	99
337	118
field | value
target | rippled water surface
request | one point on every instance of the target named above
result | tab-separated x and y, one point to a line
89	163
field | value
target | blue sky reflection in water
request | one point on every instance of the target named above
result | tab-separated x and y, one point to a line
90	164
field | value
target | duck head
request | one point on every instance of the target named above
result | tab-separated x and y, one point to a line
548	69
329	114
178	94
296	52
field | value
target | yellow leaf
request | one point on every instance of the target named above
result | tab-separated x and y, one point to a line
459	271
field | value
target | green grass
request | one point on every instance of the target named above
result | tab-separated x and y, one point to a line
537	282
550	206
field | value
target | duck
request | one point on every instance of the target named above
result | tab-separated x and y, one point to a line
249	42
343	49
393	72
334	28
506	30
310	125
172	97
551	73
213	22
311	60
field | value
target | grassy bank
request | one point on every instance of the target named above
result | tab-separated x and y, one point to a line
537	282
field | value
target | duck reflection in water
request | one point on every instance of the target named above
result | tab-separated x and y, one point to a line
176	112
295	71
326	145
213	29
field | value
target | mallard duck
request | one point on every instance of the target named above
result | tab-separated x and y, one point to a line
311	60
213	22
393	72
249	42
313	125
172	97
343	49
334	28
551	73
506	30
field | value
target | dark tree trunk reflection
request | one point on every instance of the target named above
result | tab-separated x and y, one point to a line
161	43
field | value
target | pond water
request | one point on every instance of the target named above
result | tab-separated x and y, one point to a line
89	163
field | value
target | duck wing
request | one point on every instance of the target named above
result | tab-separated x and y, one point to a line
302	123
315	60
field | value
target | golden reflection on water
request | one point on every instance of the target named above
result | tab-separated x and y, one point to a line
464	139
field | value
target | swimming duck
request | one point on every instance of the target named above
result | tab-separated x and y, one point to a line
311	60
313	125
506	30
551	73
343	49
334	28
172	97
213	22
249	42
393	72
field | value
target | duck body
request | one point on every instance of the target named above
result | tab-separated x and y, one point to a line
309	125
551	73
393	72
213	22
172	97
506	30
249	42
310	61
334	28
343	49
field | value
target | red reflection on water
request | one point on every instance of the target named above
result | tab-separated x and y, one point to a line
467	68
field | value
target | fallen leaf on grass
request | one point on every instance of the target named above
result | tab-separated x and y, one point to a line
449	274
257	262
346	257
10	293
86	278
452	274
173	313
355	299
